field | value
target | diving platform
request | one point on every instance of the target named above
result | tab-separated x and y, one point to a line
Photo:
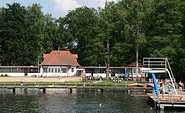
157	100
159	65
173	101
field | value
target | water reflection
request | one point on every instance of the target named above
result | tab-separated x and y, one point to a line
62	101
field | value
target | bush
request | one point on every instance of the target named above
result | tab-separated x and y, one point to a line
4	75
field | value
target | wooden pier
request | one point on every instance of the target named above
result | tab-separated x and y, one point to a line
71	88
174	101
43	88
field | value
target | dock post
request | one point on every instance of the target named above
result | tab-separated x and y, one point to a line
25	90
155	105
101	90
161	107
44	90
13	90
71	90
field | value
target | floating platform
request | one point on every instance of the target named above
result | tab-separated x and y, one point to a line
173	101
136	85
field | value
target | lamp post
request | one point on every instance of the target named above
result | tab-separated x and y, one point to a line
108	44
137	62
38	67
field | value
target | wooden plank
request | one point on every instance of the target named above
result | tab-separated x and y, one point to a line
168	101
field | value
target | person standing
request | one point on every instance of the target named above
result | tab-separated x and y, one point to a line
162	90
180	87
170	90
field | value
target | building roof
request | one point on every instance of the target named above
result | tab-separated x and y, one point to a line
133	64
63	57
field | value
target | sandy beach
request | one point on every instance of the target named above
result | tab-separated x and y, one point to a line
39	79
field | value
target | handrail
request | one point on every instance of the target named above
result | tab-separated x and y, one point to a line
158	64
170	68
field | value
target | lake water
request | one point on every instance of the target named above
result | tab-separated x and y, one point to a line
62	101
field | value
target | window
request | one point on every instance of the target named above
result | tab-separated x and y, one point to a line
58	70
63	70
72	69
45	70
52	70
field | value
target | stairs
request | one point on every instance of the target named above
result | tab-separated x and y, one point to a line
159	65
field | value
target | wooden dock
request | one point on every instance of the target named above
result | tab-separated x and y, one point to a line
43	88
71	88
174	101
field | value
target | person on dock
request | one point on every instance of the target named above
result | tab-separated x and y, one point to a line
21	82
170	90
162	89
180	87
175	83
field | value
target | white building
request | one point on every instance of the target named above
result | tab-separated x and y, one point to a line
59	63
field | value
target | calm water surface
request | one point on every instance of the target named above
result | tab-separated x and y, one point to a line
62	101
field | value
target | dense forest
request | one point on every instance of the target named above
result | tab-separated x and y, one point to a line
155	27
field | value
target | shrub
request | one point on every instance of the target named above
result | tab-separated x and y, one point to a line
4	75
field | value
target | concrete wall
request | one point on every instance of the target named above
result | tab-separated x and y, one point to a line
96	74
70	72
32	74
13	74
54	74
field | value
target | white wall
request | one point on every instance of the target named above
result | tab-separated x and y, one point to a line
33	74
120	75
13	74
54	74
96	74
68	73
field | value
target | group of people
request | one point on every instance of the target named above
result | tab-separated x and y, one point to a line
169	88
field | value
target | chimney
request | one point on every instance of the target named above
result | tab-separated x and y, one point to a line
58	50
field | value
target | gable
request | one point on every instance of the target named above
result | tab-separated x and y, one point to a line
60	58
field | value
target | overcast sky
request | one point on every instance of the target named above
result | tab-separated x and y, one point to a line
58	8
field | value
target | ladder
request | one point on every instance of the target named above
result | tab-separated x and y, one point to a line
159	65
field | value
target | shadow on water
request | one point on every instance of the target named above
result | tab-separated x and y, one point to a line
62	101
171	110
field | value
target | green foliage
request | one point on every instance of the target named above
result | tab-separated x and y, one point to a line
166	37
82	24
4	75
12	33
156	27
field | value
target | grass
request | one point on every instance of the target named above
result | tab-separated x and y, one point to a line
105	83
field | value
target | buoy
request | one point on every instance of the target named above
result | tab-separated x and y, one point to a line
100	105
129	91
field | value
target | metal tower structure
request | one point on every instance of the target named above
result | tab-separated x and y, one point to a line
159	65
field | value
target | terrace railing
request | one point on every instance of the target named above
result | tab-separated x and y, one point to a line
159	65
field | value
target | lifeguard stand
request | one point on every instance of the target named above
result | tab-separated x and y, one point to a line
159	65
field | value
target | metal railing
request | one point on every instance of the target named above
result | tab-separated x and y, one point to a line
159	64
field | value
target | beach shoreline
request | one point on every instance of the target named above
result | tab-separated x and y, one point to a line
40	79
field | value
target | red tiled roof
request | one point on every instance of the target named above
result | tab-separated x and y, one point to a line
60	58
133	64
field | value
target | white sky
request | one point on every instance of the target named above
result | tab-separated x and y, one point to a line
58	8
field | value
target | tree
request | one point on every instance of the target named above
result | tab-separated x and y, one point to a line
50	39
12	32
64	39
166	36
35	32
82	24
1	43
129	21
